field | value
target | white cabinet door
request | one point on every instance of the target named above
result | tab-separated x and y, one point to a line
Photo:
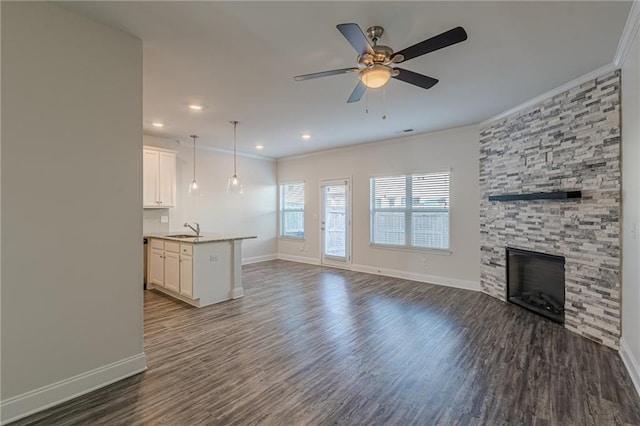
167	179
172	271
156	267
150	161
159	178
186	275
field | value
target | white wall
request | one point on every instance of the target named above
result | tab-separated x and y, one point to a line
456	149
71	196
253	212
630	342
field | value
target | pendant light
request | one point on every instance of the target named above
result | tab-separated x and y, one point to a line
194	185
234	185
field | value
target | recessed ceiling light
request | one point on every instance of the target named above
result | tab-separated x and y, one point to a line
306	136
157	124
259	146
195	107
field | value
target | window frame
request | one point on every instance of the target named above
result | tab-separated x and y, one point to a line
407	210
282	211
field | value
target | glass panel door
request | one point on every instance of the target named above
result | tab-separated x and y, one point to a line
335	223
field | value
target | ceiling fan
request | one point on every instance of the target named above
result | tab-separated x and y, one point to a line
375	61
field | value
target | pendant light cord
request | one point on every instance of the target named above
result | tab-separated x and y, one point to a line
235	139
194	156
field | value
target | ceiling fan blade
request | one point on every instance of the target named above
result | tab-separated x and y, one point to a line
357	93
440	41
324	74
354	35
415	78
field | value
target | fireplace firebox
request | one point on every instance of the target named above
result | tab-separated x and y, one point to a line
535	281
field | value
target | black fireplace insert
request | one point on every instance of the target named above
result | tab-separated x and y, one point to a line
535	281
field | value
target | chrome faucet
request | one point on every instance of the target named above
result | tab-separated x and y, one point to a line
196	229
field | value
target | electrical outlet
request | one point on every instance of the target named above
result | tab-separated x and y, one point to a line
213	258
164	219
424	261
301	247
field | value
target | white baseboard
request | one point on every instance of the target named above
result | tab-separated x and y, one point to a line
631	363
431	279
56	393
257	259
299	259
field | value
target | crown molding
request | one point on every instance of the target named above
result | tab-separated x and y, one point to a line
203	147
404	138
227	151
551	93
628	34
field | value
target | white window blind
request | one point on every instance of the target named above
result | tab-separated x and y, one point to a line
411	210
292	210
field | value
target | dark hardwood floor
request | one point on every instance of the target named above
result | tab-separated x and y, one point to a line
312	345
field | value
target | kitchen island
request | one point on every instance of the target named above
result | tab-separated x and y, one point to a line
199	270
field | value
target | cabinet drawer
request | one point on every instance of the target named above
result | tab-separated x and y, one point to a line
186	249
172	247
157	244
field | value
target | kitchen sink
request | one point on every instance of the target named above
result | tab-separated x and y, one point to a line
183	236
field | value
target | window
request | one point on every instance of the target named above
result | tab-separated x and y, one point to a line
411	211
292	210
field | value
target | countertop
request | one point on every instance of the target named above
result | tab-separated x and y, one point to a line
205	237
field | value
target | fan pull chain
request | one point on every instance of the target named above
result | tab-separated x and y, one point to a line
366	102
384	102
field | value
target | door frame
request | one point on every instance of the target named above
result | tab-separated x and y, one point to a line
349	232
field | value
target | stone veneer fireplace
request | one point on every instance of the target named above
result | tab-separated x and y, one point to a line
570	142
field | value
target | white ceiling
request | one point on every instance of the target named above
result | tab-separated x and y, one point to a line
238	59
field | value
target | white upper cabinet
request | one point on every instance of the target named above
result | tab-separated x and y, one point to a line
159	178
167	178
150	178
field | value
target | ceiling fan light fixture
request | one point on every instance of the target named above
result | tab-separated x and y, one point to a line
374	59
376	76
